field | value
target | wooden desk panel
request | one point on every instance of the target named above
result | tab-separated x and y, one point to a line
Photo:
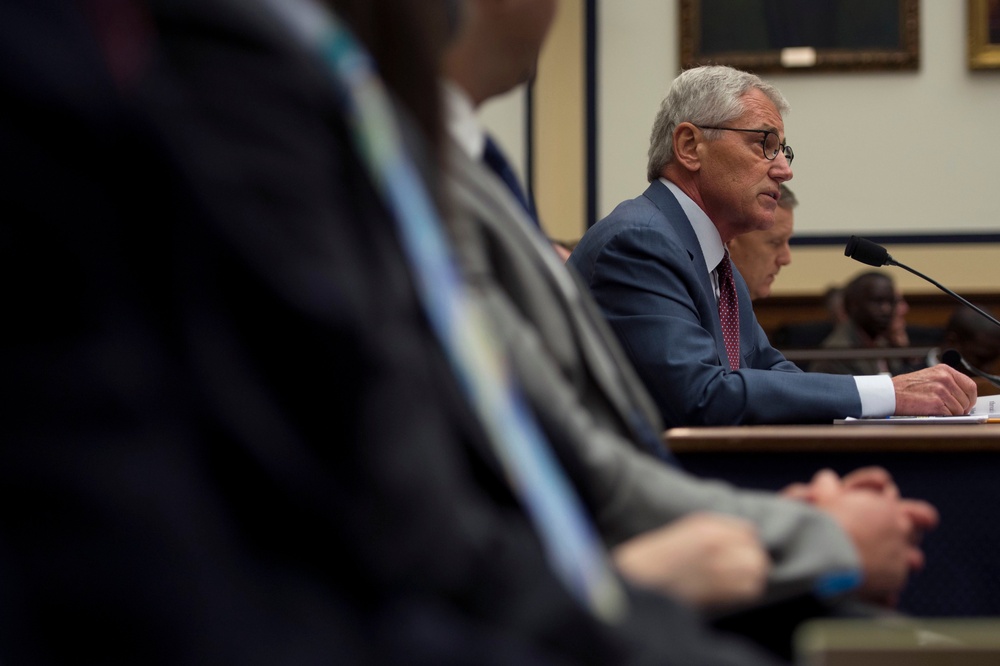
832	438
956	468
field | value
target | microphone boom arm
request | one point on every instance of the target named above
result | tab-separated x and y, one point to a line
893	262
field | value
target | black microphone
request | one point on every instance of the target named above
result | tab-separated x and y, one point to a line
867	252
953	358
873	254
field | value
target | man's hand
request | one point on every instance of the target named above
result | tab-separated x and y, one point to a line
923	516
873	478
885	529
709	560
936	391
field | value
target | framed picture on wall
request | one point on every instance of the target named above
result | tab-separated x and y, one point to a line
791	35
984	34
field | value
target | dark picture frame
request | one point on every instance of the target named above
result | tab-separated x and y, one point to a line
984	34
793	35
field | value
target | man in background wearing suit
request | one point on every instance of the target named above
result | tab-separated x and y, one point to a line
760	255
871	300
582	385
659	268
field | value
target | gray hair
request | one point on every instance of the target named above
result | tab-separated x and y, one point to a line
709	95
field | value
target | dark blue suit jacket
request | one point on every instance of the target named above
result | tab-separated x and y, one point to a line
645	268
230	435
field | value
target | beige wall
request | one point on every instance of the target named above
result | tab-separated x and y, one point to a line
558	126
876	152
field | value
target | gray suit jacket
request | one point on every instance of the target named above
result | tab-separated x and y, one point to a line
589	399
645	268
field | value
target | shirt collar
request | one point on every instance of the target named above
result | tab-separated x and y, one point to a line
708	236
462	123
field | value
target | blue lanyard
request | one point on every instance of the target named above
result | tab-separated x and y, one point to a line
569	537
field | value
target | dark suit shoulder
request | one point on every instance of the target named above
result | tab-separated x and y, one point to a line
635	225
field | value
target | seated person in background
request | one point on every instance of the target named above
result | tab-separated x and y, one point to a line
834	300
976	339
810	334
594	408
903	334
870	301
897	334
759	255
659	269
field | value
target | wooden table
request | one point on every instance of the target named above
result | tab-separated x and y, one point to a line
837	438
954	467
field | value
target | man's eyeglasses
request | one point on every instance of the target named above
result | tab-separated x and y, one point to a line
771	145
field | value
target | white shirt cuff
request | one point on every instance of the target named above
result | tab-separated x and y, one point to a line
878	396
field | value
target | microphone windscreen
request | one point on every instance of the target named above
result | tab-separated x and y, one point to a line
865	251
952	358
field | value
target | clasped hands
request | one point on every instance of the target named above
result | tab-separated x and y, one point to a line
713	560
886	529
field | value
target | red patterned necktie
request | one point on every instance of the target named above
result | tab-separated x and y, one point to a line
729	311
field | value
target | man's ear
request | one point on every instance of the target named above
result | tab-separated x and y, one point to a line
686	140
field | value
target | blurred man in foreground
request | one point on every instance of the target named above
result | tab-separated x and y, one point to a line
589	399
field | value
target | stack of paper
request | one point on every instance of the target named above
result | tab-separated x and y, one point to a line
986	410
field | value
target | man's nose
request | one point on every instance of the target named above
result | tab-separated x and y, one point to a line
781	170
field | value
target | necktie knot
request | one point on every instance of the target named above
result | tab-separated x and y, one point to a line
725	268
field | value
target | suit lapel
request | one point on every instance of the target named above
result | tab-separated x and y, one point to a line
708	307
